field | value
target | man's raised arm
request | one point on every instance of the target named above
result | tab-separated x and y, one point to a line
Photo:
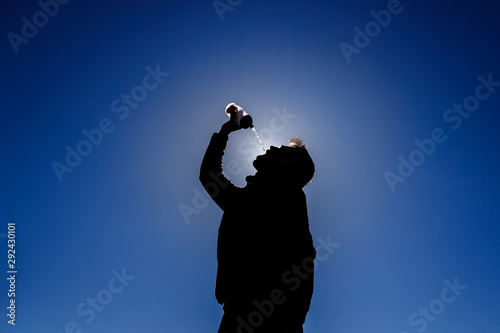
220	189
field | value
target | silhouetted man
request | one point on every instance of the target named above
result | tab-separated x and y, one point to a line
265	251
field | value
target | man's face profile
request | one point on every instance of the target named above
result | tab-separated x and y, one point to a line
274	159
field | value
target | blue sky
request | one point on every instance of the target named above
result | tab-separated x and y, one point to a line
125	242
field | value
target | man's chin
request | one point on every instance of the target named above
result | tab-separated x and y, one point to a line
252	178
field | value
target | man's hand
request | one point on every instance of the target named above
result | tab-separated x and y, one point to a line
228	127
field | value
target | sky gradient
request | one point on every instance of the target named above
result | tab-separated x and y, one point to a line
108	107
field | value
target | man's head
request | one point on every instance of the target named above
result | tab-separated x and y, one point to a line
290	165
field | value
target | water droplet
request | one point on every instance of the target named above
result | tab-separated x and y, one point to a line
255	131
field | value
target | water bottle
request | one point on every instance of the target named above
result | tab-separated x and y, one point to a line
240	116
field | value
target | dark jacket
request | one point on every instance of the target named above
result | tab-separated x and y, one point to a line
263	236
